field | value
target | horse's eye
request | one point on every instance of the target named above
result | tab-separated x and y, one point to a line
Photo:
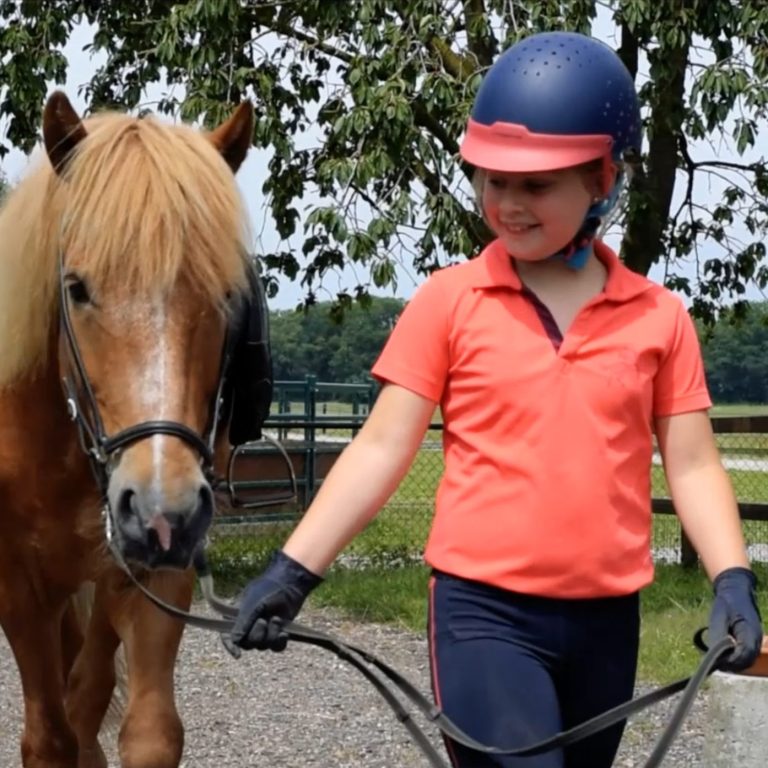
78	292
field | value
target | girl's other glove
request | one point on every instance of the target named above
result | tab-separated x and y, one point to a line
735	613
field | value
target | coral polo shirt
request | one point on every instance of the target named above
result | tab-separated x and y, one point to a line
547	439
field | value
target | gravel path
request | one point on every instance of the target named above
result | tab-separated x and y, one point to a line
305	707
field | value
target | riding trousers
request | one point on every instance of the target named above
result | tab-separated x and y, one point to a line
511	670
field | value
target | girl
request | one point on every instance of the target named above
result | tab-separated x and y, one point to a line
552	364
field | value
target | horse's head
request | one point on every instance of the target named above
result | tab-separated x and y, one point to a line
152	282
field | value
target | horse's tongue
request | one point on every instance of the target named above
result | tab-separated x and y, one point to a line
163	530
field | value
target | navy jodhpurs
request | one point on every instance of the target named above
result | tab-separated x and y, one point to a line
511	670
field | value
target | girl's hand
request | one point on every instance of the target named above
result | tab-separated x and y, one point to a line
734	612
271	599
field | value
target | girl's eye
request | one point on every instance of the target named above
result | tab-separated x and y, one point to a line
497	183
537	186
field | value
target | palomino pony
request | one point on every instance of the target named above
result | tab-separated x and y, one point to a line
122	276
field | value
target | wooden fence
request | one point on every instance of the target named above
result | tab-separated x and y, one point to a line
722	425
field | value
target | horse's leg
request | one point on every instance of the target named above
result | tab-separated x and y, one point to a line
91	681
34	634
152	735
71	637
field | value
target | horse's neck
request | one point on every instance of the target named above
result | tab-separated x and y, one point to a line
34	421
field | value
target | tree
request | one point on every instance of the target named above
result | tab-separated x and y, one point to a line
363	103
734	356
349	349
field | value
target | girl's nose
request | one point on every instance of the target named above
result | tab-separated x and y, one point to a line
511	201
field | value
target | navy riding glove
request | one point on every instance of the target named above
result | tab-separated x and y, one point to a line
270	600
734	612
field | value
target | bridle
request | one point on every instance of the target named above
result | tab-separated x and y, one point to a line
388	682
102	448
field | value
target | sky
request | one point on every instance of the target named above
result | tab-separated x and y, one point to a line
251	176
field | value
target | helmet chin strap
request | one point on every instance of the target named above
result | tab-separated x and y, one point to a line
576	253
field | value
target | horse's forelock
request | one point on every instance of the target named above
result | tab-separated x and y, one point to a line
141	199
148	201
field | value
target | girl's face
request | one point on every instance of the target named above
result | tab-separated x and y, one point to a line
537	214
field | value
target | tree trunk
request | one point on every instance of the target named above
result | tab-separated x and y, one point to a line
652	186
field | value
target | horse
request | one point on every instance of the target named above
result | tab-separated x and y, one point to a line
125	289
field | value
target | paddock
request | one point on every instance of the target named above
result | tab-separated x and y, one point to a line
305	707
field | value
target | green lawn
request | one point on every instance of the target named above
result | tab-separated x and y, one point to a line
673	608
740	410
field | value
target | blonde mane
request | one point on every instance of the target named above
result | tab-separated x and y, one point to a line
143	200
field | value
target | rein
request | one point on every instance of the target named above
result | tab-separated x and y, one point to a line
382	677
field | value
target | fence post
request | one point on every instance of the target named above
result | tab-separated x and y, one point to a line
688	555
736	732
283	406
310	414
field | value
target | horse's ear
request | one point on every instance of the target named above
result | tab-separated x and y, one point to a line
63	130
234	136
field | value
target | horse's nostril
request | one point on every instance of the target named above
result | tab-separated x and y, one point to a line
128	517
205	499
128	505
125	504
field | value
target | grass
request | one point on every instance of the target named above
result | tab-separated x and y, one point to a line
673	608
743	445
740	409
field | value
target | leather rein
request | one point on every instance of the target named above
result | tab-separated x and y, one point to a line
387	681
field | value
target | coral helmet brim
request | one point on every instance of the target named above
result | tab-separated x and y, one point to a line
512	148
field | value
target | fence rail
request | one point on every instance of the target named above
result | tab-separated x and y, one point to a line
314	443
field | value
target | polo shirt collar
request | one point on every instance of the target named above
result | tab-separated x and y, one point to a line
493	268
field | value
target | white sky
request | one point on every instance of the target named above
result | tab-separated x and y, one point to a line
251	176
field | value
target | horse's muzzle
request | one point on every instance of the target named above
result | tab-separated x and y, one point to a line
148	531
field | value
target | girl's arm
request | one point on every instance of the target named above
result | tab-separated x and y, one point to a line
364	476
701	490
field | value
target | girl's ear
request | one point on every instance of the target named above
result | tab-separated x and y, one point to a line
605	179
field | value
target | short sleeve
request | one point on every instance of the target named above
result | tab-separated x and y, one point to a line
680	385
416	355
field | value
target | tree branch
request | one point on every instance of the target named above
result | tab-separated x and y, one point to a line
282	28
628	50
478	230
482	45
456	65
459	67
423	119
751	167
